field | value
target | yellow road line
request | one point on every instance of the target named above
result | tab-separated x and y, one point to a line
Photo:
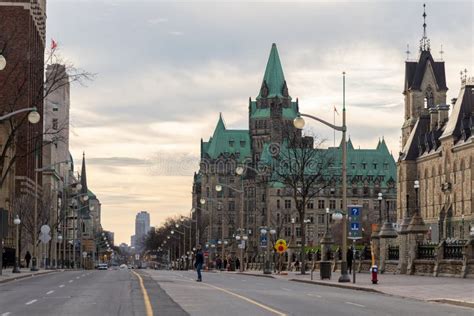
247	299
146	298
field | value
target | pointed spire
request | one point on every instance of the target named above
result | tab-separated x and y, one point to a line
424	42
274	84
220	127
83	174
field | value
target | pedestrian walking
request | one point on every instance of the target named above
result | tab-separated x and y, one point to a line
237	264
225	264
28	259
350	257
199	262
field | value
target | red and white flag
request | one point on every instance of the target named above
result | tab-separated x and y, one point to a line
54	45
335	110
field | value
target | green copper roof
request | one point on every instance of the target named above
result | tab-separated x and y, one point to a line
227	141
274	77
360	162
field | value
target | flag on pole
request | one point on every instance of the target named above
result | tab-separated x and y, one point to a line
54	45
335	110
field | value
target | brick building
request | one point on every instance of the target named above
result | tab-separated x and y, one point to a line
22	43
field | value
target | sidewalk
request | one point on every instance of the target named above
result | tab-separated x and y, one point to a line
440	289
7	274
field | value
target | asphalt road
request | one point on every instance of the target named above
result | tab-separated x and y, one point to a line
112	292
234	294
176	293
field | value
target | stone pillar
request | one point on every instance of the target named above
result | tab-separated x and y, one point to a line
416	231
383	254
386	234
376	248
403	253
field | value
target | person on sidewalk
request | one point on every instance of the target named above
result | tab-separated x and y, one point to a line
199	262
28	259
237	264
350	252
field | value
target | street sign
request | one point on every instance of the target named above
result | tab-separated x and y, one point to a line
44	238
84	254
45	229
354	222
280	246
263	241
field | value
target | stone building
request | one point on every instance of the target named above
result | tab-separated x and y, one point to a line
438	150
252	200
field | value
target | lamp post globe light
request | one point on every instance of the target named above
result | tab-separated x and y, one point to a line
60	240
3	62
16	268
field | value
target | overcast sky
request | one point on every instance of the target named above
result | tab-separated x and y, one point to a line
165	70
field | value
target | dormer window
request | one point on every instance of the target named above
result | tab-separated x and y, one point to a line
242	143
375	166
231	143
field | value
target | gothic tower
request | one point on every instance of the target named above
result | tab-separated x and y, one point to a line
425	86
272	113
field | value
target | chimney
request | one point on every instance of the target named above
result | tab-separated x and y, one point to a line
433	118
443	112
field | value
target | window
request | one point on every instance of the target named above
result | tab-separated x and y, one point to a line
375	166
242	143
287	203
231	206
231	143
321	218
332	204
55	124
287	231
310	205
263	197
321	204
298	231
364	165
287	219
278	203
385	166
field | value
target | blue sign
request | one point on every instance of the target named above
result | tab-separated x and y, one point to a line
354	222
263	241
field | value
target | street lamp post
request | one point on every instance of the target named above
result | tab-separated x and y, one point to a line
16	268
299	123
60	254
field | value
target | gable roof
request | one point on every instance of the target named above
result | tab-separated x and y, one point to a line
227	141
415	71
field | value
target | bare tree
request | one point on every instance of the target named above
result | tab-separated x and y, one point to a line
301	165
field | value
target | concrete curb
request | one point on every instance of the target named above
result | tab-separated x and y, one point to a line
24	276
257	275
342	286
453	302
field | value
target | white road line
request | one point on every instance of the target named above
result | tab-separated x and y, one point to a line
70	281
285	289
62	285
244	280
83	275
315	295
77	278
350	303
50	292
31	302
6	314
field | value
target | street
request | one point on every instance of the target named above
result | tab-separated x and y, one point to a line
119	292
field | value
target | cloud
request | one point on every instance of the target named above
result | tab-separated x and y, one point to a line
160	91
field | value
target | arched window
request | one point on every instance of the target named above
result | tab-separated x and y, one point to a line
429	101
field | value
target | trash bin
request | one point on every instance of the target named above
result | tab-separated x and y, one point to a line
325	270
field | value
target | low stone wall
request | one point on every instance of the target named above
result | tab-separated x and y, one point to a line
470	269
451	268
424	267
391	266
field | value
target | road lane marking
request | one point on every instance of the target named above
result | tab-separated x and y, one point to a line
6	314
285	289
350	303
146	299
246	299
70	281
316	295
31	302
62	285
83	275
77	278
50	292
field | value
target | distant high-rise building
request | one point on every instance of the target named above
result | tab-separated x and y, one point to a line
142	226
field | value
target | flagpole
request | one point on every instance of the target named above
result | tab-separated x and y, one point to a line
334	122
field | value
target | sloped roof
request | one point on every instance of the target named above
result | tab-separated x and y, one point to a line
464	107
415	70
274	78
227	141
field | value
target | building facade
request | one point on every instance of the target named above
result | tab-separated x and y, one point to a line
438	150
22	43
142	226
246	203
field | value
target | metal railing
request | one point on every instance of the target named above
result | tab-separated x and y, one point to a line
453	249
426	251
393	253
